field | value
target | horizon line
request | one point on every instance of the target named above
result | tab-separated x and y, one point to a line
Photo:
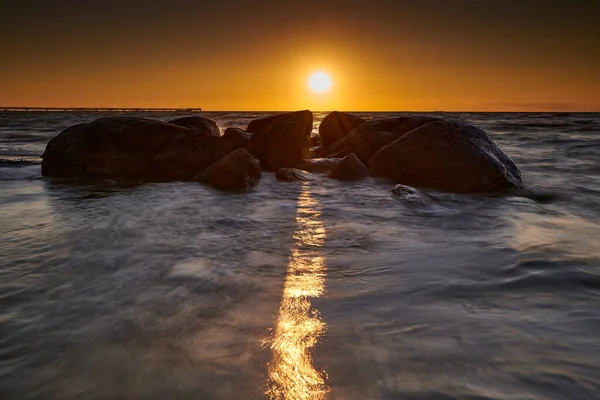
198	110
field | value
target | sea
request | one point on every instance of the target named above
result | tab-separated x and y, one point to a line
290	290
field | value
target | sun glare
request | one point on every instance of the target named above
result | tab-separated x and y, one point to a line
319	82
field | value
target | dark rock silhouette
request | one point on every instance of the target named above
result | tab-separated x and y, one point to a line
294	174
237	170
318	164
367	138
449	156
315	140
279	145
123	147
336	125
201	125
419	151
304	118
349	169
411	196
237	137
183	162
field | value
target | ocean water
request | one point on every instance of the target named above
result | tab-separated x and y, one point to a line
320	290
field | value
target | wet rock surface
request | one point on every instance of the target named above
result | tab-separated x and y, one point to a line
237	170
336	125
350	168
237	137
304	118
316	165
294	174
124	147
183	162
412	196
367	138
279	145
449	156
201	125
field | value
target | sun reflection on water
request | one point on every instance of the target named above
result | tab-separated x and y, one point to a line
299	326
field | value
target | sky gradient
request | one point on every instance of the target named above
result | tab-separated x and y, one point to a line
427	55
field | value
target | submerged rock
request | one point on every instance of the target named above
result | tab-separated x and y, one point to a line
318	164
122	147
293	174
237	170
412	196
366	139
336	125
279	145
449	156
350	168
201	125
237	137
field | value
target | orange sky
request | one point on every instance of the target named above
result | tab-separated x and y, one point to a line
382	56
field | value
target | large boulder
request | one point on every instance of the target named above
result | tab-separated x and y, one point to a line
201	125
122	147
449	156
237	137
279	145
237	170
303	118
183	162
366	139
294	174
318	164
336	125
349	169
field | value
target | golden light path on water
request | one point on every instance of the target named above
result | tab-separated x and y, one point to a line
292	374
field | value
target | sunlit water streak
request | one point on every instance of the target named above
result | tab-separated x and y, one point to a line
299	326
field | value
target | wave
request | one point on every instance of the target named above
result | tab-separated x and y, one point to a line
19	161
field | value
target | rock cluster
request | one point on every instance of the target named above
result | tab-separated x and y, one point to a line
420	151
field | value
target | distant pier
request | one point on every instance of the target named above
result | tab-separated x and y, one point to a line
98	109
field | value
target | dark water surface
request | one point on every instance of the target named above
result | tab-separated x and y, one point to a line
322	290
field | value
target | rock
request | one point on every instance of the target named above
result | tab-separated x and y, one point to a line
449	156
121	147
182	163
293	174
279	145
315	152
367	138
303	118
412	196
203	126
237	170
349	169
237	137
336	125
318	164
315	140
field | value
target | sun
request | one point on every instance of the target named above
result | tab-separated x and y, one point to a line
319	82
